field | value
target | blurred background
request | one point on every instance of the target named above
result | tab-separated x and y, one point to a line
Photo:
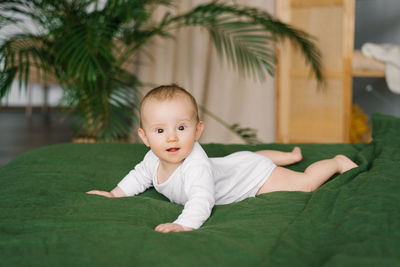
32	117
376	22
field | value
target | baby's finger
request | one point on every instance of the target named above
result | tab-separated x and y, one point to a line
159	228
163	228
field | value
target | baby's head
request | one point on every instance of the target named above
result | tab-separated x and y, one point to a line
168	93
169	123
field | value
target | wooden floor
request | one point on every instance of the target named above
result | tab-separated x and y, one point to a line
19	133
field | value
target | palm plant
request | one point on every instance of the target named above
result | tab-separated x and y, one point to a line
87	44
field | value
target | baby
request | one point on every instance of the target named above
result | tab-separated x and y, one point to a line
178	167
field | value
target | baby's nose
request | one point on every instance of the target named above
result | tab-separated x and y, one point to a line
172	136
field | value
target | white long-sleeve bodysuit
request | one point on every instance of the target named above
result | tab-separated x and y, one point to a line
200	182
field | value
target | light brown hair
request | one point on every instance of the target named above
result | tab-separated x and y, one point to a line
168	92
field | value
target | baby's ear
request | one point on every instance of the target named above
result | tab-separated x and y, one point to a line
199	130
142	136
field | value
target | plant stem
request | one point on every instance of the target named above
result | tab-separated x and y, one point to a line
221	121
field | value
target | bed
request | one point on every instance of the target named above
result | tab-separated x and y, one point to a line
352	220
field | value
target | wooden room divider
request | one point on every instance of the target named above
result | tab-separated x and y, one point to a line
307	113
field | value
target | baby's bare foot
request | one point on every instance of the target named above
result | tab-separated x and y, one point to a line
344	163
296	153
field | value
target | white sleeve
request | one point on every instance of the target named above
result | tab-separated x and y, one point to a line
140	178
199	187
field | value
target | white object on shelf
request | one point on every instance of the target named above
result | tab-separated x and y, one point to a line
390	55
367	67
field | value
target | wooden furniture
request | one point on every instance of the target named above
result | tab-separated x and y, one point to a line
306	113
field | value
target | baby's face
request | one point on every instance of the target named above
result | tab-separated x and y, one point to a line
170	128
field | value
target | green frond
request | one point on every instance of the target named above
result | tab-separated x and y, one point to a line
233	29
85	54
245	47
17	55
4	21
109	114
6	80
248	135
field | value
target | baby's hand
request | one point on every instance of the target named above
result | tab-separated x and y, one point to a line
101	193
116	192
171	227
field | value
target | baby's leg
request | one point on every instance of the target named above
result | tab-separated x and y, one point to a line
281	158
282	179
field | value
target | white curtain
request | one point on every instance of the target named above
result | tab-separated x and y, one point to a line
190	60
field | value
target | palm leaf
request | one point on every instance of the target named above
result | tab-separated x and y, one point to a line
6	80
17	55
85	53
107	115
230	27
248	135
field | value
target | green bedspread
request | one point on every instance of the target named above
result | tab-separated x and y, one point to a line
46	219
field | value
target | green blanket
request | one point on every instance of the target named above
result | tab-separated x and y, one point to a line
46	219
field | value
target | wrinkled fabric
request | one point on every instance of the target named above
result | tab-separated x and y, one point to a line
46	219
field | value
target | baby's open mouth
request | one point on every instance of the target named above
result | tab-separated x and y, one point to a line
173	149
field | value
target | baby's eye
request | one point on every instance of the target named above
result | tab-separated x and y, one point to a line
181	128
160	130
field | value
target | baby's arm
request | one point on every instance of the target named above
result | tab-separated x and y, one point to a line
135	182
116	192
199	187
